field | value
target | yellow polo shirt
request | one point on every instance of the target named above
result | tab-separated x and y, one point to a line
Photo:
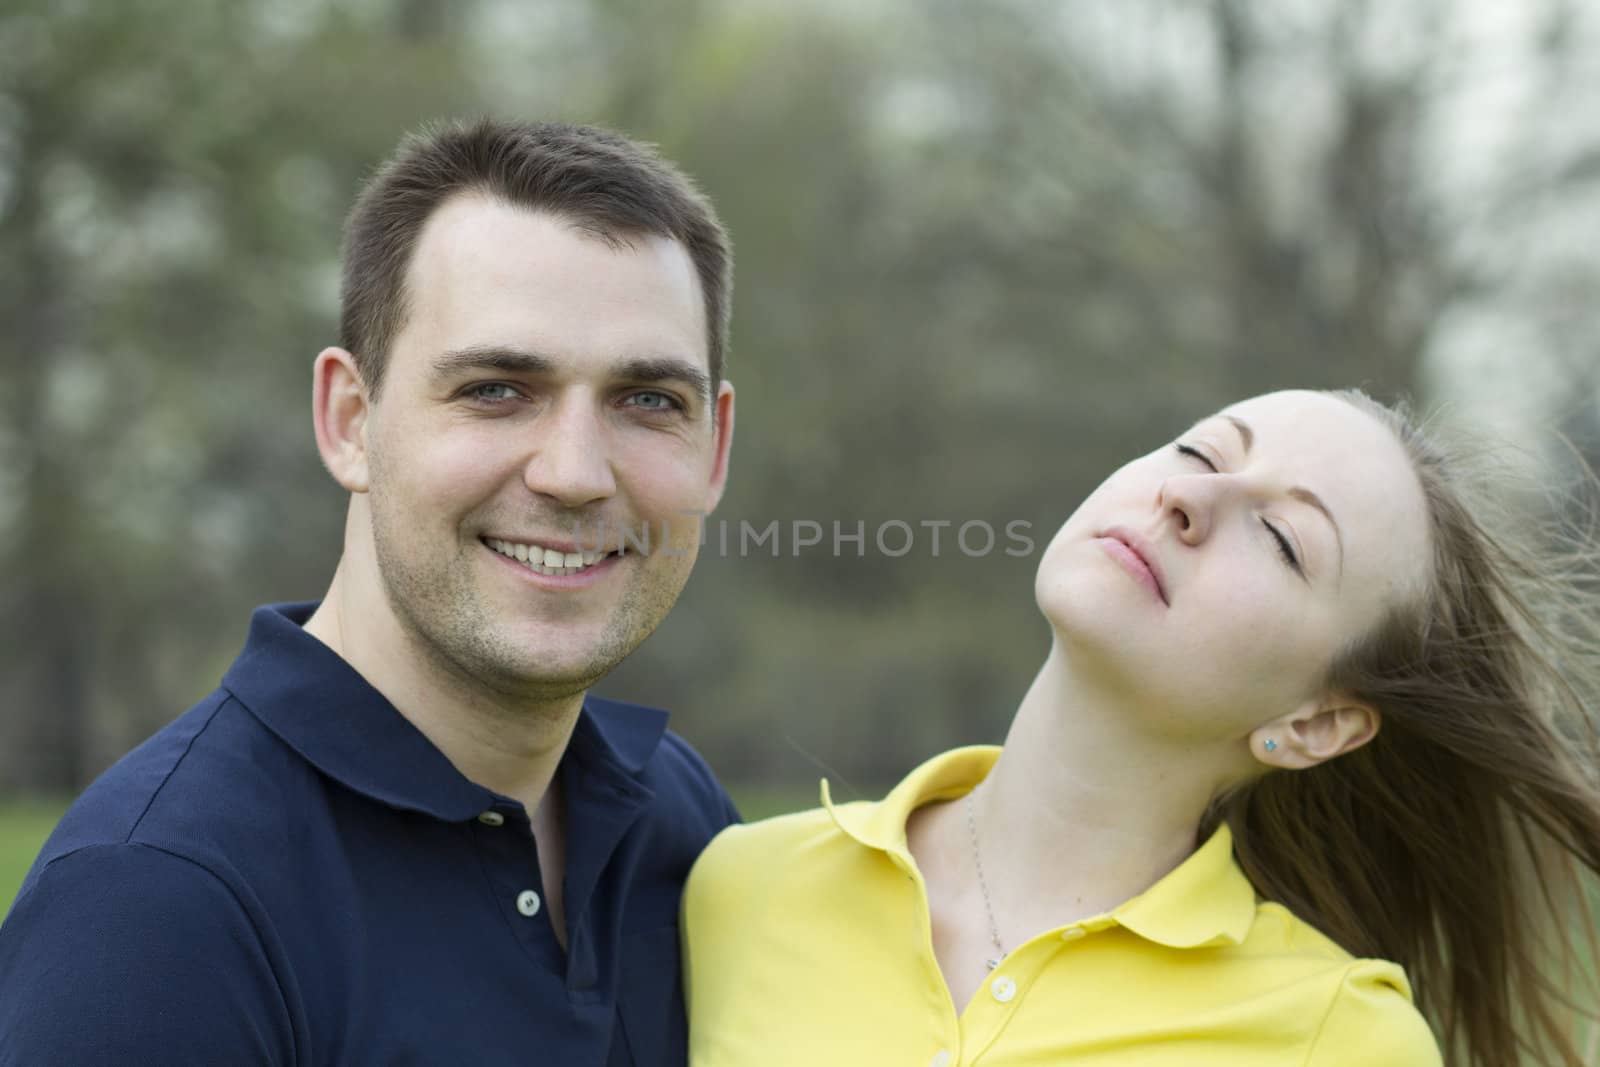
807	941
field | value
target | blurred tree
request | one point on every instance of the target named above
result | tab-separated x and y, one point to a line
1000	248
172	178
985	254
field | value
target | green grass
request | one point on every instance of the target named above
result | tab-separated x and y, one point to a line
23	827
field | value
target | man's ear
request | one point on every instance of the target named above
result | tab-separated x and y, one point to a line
722	414
339	406
1315	733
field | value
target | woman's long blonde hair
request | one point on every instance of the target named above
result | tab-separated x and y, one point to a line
1462	842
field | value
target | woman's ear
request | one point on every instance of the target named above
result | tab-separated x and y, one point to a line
1315	733
339	407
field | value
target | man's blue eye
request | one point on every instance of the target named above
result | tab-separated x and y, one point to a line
653	401
493	391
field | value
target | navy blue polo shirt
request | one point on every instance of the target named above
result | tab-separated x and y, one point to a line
291	873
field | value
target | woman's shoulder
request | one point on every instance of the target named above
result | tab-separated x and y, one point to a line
1362	1010
759	851
773	834
752	881
1372	1021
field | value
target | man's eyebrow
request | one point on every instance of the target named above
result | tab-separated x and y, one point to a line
491	357
665	369
522	361
1299	492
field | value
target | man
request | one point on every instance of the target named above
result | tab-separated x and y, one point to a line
400	832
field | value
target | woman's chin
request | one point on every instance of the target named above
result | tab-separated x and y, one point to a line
1100	600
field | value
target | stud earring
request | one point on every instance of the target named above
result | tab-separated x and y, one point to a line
1270	745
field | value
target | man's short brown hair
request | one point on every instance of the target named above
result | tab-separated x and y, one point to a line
603	182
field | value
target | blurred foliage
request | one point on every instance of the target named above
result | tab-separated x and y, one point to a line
985	254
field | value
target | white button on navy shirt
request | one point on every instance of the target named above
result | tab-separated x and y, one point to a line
528	902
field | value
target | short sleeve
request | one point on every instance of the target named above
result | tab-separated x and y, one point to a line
1373	1023
712	897
119	954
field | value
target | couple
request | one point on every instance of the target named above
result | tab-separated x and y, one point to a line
1292	746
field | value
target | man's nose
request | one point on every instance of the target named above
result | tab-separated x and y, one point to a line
572	464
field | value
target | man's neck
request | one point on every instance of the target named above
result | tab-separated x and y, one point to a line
502	742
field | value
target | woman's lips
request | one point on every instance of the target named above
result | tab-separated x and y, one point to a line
1126	550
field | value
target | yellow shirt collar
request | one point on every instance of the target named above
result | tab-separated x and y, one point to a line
1205	900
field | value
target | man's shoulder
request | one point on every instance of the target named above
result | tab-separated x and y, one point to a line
200	787
664	762
119	927
683	771
136	882
111	809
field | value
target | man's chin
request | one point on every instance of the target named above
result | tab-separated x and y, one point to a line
540	672
523	683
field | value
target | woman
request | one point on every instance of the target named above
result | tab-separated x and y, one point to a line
1298	737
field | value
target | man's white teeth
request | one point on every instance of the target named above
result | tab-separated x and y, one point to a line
545	560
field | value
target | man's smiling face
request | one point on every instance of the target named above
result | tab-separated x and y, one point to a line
548	384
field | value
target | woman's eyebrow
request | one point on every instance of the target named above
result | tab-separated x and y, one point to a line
1245	432
1306	496
1299	492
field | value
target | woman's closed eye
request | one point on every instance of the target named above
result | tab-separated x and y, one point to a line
1285	546
1194	453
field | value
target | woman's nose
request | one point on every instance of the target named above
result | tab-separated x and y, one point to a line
1186	502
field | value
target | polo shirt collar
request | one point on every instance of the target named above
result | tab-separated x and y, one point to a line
1205	900
320	706
626	734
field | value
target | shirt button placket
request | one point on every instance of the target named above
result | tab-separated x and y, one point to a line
1003	989
528	903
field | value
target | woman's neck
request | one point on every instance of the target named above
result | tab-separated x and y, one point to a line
1088	806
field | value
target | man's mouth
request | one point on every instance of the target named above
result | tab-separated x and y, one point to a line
554	562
